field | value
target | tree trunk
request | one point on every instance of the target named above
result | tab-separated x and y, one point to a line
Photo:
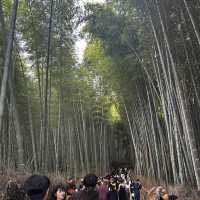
192	21
7	62
184	108
7	77
19	138
3	29
47	84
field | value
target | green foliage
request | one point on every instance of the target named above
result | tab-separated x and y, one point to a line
105	24
114	115
99	64
121	34
23	9
7	6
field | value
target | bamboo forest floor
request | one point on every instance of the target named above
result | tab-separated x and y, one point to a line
183	192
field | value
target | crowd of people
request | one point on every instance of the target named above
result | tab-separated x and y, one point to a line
116	186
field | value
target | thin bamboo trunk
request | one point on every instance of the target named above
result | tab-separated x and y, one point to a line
184	105
7	63
192	21
19	138
133	141
46	112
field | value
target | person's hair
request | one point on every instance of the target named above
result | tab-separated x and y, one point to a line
55	189
90	180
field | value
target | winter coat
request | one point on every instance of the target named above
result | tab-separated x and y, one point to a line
86	194
173	197
123	195
112	195
135	188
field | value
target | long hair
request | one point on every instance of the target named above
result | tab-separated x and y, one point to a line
55	189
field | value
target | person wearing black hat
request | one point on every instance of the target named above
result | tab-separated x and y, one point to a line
37	187
89	192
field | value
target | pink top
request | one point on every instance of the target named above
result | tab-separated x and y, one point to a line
103	191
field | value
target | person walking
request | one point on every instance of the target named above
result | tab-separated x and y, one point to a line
123	195
90	191
58	192
135	188
112	194
103	190
37	187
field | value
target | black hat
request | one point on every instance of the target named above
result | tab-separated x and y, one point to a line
36	187
90	180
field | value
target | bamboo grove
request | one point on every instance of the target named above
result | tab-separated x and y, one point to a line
135	97
50	117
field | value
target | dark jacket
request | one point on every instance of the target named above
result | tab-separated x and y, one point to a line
86	194
135	188
123	195
112	195
173	197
